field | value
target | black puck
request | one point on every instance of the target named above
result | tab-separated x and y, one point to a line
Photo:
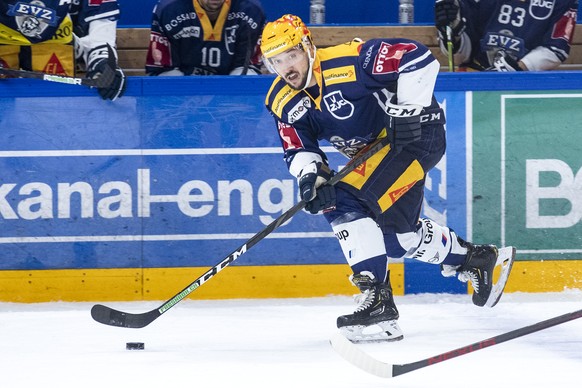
135	346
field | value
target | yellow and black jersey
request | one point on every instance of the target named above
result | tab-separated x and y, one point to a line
38	35
347	105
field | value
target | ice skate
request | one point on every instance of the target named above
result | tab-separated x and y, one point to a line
375	318
479	270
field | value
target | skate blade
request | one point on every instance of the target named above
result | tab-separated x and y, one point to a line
505	260
387	331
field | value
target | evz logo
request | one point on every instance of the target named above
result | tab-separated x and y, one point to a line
507	42
338	106
32	19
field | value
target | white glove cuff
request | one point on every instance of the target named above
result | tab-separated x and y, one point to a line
301	160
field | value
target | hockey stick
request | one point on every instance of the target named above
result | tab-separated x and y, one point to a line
100	82
364	361
112	317
103	81
450	48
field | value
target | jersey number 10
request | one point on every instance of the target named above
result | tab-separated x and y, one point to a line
211	56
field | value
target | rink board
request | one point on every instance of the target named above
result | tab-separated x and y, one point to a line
180	172
295	281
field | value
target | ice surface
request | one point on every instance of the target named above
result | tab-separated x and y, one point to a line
284	343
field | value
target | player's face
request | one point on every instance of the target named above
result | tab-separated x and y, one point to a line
211	5
292	65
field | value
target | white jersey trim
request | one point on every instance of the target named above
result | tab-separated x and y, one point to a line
104	15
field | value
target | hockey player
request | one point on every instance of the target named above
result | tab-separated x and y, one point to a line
507	35
350	95
205	37
55	36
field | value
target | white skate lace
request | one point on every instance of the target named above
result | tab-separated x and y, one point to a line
466	276
364	300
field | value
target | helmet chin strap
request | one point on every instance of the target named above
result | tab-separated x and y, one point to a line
311	62
310	71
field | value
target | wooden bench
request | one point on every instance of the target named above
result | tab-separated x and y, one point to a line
132	43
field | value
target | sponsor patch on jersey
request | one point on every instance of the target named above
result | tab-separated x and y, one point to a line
54	66
175	22
541	9
281	99
339	75
399	192
564	28
187	32
368	57
360	170
159	53
289	136
389	56
299	110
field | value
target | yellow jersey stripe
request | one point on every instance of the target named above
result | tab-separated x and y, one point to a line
413	173
212	33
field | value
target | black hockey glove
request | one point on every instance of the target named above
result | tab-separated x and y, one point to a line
324	200
313	189
504	62
447	14
405	130
403	124
106	67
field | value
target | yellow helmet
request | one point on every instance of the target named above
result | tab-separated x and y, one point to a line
283	34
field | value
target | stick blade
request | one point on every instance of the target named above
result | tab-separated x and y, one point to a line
112	317
351	353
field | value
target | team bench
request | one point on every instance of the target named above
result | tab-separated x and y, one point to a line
133	42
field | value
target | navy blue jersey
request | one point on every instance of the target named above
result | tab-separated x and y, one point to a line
518	27
347	106
26	22
182	37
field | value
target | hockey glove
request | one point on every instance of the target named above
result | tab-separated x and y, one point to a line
504	62
403	124
447	14
313	190
107	65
